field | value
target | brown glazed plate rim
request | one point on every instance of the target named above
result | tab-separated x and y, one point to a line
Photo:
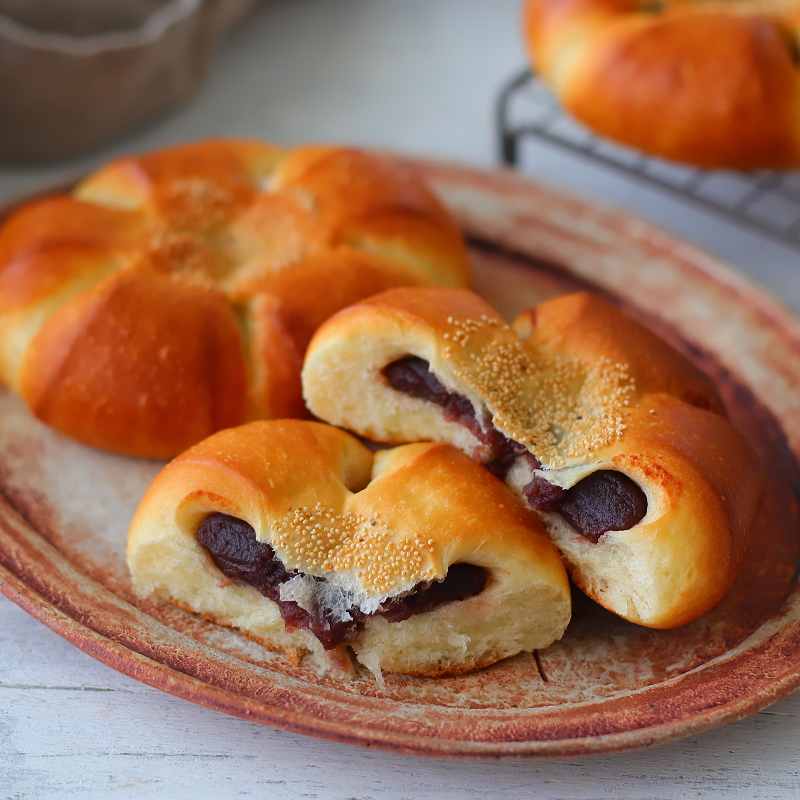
603	244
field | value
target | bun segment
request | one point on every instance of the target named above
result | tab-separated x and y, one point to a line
174	293
575	389
360	538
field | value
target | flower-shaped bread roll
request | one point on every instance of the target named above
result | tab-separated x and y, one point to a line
616	439
416	557
173	294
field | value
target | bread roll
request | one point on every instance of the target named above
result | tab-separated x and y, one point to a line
173	294
706	82
617	440
416	558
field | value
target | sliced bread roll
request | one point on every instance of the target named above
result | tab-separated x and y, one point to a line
416	558
617	440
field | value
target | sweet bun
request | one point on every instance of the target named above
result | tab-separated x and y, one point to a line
417	558
173	294
614	438
710	83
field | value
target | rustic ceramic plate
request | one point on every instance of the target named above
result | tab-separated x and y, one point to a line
608	685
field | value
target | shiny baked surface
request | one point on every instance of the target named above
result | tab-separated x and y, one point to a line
173	294
357	530
714	83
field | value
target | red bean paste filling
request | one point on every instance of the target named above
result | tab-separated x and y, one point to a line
604	501
233	547
412	376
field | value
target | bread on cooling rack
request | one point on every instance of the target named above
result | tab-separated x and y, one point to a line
714	83
173	294
614	438
298	535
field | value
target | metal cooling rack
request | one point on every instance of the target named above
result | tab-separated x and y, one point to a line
766	201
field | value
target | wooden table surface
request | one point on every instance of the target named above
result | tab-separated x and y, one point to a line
418	76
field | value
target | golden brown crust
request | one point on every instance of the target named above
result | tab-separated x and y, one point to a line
584	326
138	364
602	393
709	83
258	471
268	244
527	392
275	362
704	491
449	328
375	525
305	296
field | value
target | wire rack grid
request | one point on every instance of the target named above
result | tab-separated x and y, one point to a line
768	202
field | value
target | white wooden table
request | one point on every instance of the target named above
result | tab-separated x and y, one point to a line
418	76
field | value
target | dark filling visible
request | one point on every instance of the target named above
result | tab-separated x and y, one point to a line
233	547
412	376
603	501
543	495
462	581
